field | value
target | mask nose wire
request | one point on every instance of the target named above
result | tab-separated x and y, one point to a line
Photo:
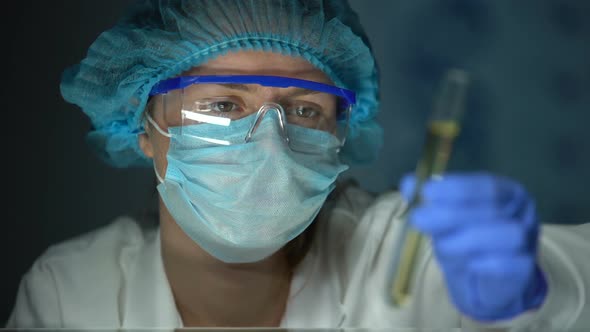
280	112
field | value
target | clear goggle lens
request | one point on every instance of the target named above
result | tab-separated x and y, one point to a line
220	105
189	101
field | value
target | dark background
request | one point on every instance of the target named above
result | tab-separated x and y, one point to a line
528	110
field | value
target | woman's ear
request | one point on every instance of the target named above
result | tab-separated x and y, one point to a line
145	144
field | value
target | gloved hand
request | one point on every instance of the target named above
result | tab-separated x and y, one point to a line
484	233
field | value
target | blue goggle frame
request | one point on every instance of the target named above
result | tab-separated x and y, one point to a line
348	96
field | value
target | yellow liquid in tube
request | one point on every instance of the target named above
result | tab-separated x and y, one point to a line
440	133
437	150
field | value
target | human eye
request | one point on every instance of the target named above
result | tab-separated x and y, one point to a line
224	106
218	106
304	111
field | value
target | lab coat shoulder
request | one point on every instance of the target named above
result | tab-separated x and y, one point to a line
80	273
564	255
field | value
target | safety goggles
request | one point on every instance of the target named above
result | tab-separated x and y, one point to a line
220	101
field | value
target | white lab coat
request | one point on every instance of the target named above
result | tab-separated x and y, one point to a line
114	278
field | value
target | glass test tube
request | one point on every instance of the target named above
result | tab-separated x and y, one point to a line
442	128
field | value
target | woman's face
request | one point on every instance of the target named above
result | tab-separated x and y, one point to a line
155	145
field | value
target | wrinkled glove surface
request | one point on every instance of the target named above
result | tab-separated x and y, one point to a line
484	232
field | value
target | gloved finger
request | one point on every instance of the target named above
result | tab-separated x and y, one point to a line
496	286
519	204
470	188
436	219
498	282
408	183
486	239
502	266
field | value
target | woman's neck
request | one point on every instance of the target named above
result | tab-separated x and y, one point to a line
211	293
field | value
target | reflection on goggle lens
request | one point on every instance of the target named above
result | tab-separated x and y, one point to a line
221	104
191	100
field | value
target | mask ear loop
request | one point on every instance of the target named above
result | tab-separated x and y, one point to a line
161	131
160	179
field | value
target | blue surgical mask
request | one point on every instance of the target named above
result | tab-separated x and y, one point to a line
243	202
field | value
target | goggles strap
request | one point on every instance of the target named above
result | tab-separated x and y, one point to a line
150	120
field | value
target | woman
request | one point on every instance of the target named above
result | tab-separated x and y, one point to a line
249	112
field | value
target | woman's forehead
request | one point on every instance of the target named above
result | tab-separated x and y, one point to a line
260	63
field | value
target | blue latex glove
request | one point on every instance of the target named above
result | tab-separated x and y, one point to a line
484	233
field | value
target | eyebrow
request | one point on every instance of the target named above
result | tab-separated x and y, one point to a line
246	87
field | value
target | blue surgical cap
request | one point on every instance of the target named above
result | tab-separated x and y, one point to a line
159	39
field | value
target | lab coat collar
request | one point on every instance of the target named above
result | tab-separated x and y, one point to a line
149	302
314	298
